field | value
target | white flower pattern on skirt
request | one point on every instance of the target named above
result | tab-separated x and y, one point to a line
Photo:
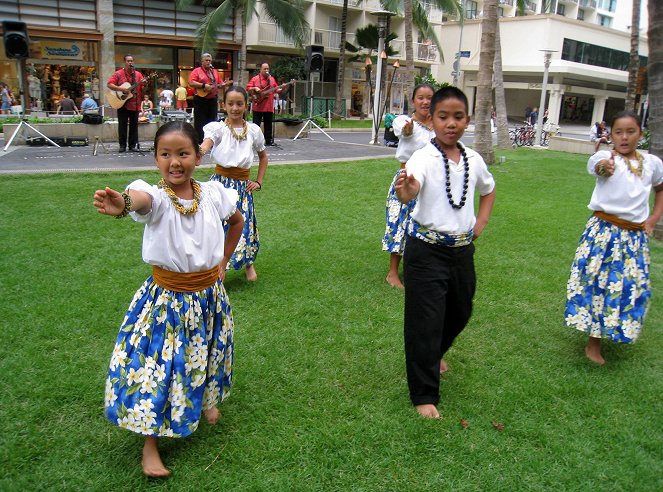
397	215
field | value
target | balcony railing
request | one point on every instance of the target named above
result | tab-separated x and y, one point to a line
331	39
588	4
351	3
272	34
506	2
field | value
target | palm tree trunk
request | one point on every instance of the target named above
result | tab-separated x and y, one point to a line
409	51
242	53
655	76
340	84
634	61
503	140
483	139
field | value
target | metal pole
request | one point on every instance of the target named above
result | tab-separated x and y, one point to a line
460	42
542	103
378	87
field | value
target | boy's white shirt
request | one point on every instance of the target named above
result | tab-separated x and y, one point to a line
432	209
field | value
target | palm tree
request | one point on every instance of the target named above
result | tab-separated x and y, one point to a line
502	123
340	85
483	140
655	76
288	15
634	60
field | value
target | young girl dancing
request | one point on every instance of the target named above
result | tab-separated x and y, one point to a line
233	143
173	356
608	291
413	133
438	261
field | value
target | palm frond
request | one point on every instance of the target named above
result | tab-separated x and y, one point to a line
211	24
289	16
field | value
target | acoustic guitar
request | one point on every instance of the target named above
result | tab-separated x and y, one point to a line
263	94
210	87
117	99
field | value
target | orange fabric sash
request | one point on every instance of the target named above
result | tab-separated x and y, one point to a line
624	224
185	282
239	173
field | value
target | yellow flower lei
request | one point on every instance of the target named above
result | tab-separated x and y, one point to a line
176	201
640	167
242	136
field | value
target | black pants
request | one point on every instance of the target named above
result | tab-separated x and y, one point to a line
267	118
127	118
439	286
205	110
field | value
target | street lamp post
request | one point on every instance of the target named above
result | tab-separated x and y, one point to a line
382	16
456	65
547	54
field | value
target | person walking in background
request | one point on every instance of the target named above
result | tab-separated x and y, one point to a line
439	274
207	82
233	144
127	115
66	105
608	291
180	97
173	356
262	88
413	133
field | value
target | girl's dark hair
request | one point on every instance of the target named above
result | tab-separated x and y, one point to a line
448	92
421	86
182	127
626	114
236	88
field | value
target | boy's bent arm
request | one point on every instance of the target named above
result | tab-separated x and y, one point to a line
485	209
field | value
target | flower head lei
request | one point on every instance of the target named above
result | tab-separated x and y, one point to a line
240	137
176	200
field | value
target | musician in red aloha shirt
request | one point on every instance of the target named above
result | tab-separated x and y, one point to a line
207	79
263	105
127	115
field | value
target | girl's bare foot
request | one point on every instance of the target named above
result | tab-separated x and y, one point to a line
393	280
212	415
444	367
428	411
593	351
251	274
152	464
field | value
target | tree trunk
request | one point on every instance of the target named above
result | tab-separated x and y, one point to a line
242	52
409	52
483	139
634	61
503	140
340	84
655	76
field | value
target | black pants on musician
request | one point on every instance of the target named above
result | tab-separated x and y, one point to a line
127	120
439	286
267	118
205	110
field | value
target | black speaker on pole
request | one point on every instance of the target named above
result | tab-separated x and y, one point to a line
315	58
17	42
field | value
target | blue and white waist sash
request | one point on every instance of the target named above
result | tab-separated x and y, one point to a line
415	229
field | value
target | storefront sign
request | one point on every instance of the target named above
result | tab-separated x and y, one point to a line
58	50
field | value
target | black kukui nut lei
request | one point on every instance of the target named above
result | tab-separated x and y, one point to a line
466	178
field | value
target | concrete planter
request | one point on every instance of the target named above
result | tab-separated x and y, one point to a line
107	131
288	129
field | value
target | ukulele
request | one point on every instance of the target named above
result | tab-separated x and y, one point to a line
210	87
263	94
117	99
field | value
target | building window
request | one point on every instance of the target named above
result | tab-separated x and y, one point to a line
500	12
561	8
604	20
609	5
600	56
581	14
471	10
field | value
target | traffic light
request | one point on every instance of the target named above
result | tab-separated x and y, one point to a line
315	57
17	43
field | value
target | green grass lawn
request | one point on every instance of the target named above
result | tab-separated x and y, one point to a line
320	400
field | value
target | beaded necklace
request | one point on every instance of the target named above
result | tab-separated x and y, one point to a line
176	201
242	136
636	170
466	178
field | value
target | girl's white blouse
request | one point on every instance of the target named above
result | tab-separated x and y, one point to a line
230	152
624	194
185	243
407	145
432	209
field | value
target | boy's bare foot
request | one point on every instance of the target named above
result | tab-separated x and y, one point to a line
251	274
212	415
428	411
152	464
394	280
593	351
444	367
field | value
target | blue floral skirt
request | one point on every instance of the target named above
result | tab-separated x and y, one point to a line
397	215
608	292
172	359
249	244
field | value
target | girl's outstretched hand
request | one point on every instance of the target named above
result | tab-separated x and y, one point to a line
408	128
108	201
